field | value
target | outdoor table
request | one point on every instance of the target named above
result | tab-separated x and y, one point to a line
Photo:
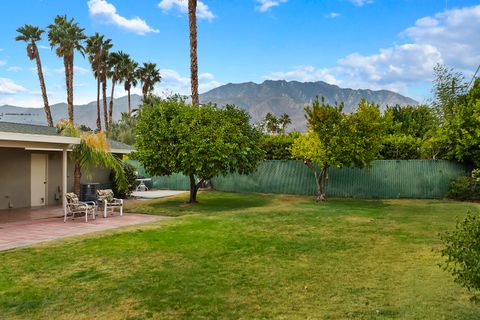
141	186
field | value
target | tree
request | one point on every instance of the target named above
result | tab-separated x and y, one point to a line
92	151
192	19
67	37
448	87
129	79
31	34
97	49
149	75
124	129
200	142
283	122
271	123
116	68
278	147
338	139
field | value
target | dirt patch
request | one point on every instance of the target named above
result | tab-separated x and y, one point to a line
358	219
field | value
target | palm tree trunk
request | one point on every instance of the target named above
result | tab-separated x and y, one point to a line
110	111
192	15
129	103
99	118
46	106
71	87
104	93
77	175
66	64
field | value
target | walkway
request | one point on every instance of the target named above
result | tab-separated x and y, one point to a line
28	232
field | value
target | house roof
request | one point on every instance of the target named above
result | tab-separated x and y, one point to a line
38	133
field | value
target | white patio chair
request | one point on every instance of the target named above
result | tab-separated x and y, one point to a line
74	206
107	201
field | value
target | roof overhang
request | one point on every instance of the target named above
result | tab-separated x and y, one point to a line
24	137
121	151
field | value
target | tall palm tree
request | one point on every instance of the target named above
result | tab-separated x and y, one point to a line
149	75
92	152
97	49
284	121
67	37
115	62
192	18
271	123
129	79
31	34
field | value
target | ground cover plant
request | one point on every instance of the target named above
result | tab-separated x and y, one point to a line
247	256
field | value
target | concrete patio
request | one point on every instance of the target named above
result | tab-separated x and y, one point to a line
23	227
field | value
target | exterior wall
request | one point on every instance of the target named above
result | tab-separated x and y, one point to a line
14	178
15	166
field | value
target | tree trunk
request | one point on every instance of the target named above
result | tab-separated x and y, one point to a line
194	188
110	111
46	106
77	175
129	103
66	64
70	93
99	117
192	15
104	94
320	179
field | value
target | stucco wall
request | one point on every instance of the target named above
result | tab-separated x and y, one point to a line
15	166
14	178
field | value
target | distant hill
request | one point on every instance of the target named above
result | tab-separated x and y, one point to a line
84	114
291	97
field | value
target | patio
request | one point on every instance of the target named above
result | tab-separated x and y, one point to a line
23	227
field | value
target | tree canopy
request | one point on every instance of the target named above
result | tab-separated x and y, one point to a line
200	142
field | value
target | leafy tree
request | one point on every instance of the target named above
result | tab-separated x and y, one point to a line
415	121
124	129
31	35
338	139
67	37
124	191
448	87
401	147
461	128
92	152
192	23
278	147
97	50
149	75
200	142
462	252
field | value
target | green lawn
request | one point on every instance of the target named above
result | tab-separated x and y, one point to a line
247	256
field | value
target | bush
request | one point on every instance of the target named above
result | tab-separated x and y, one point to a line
130	176
462	252
400	147
465	188
278	147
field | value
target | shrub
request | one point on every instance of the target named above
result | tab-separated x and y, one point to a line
130	176
462	252
278	147
465	188
401	147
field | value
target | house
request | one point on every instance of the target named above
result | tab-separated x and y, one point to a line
35	169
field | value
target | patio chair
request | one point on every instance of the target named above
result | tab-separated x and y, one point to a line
107	200
74	206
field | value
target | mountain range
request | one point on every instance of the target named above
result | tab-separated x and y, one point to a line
276	97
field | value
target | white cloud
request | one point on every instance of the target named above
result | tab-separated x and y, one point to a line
173	82
14	69
3	62
41	46
304	74
449	37
76	70
1	49
266	5
332	15
107	13
360	3
203	12
8	86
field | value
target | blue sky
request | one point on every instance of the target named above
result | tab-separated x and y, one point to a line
375	44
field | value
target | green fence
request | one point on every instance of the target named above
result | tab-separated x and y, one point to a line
384	179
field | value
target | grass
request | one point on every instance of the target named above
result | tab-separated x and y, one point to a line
247	256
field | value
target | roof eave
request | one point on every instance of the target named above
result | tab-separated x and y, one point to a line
12	136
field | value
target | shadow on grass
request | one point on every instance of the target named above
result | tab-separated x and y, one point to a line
208	203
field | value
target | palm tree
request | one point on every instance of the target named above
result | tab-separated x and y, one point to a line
271	123
66	36
31	34
149	75
116	63
92	152
129	79
284	121
97	49
192	18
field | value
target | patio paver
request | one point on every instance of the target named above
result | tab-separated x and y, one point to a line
24	233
